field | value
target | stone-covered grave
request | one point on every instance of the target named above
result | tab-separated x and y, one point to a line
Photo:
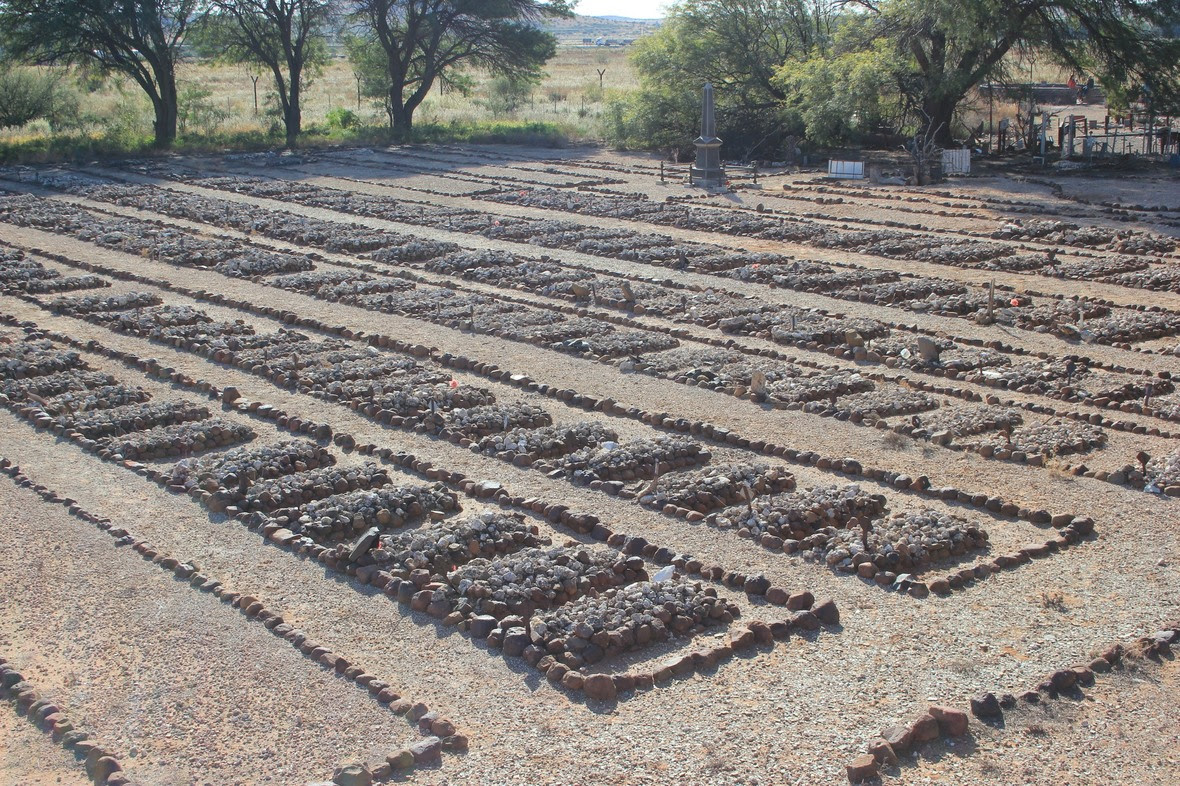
611	465
344	516
845	527
524	446
18	274
1043	440
222	480
1163	473
470	424
693	494
144	238
626	618
955	422
35	357
873	405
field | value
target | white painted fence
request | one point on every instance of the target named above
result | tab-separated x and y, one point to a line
956	162
852	170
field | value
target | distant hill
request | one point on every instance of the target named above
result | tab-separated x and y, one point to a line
573	31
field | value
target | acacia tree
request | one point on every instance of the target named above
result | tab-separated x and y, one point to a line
737	46
286	37
140	39
950	46
420	42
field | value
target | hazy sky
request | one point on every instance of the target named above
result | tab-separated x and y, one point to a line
638	9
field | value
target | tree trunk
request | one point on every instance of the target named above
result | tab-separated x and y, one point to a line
939	113
165	105
401	116
292	115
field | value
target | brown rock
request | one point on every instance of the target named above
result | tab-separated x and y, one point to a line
827	613
900	738
776	595
427	750
883	752
862	768
800	600
600	687
924	729
352	775
402	760
952	722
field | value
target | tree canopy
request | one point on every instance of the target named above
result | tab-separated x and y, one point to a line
866	70
140	39
406	46
737	46
284	37
945	48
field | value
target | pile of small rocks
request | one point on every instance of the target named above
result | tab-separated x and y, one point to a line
351	365
145	321
951	422
179	440
35	358
287	491
423	554
89	304
620	343
55	384
635	460
95	399
875	404
801	390
18	274
346	515
547	442
238	468
1157	278
477	422
95	423
194	337
1058	438
715	487
420	399
903	541
340	286
1164	472
790	519
536	578
628	618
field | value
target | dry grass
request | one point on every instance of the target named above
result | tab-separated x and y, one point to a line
571	78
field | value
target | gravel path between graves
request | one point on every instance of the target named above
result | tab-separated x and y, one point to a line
1124	729
29	756
186	689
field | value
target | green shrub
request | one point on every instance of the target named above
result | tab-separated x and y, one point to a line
25	95
342	119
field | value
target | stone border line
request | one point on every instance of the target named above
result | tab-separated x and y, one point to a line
440	733
101	765
946	722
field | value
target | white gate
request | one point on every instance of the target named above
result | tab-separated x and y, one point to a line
853	170
956	162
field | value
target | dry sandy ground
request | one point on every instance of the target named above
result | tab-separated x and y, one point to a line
201	695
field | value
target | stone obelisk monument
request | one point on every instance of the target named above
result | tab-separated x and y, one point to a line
707	171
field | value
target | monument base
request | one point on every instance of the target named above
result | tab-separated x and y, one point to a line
708	178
